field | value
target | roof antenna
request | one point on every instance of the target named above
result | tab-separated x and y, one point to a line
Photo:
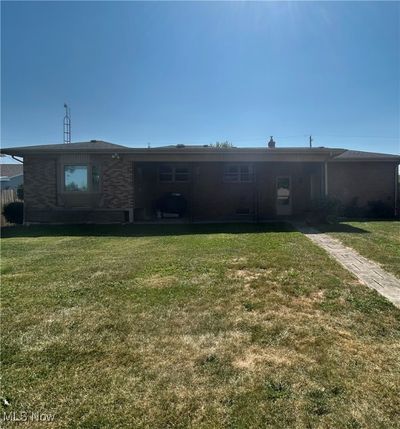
311	140
67	124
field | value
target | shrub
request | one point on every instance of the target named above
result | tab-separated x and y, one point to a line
325	210
379	210
353	210
14	212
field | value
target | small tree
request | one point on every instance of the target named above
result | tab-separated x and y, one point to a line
222	145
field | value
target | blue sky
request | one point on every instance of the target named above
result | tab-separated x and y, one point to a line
196	73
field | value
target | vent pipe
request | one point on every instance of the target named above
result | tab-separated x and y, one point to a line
271	143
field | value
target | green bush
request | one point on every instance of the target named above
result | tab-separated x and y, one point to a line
353	210
325	210
14	212
379	210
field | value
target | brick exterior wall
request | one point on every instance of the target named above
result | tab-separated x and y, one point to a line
44	201
117	183
40	182
210	198
366	181
124	187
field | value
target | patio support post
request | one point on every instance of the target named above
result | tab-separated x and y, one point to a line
326	179
396	190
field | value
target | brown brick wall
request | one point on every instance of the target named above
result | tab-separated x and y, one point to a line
366	181
117	183
40	182
75	216
209	198
43	180
299	172
207	195
215	199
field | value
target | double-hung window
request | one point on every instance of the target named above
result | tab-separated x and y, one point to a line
169	173
238	173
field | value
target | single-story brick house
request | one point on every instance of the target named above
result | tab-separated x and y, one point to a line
101	182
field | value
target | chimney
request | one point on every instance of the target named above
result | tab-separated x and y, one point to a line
271	143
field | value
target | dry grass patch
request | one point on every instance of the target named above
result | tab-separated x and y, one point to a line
248	276
256	357
157	281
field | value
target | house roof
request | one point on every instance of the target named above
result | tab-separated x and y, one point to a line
258	153
96	145
11	170
358	155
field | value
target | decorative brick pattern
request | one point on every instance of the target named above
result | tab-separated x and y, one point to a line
41	177
117	182
40	182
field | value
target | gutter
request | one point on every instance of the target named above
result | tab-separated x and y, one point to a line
139	151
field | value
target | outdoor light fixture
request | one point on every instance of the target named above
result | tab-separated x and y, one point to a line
115	156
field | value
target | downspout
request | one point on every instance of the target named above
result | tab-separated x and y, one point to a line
132	209
326	179
396	190
192	177
255	193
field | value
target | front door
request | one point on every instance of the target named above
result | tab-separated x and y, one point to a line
283	196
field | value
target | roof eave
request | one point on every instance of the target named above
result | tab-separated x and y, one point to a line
375	159
24	151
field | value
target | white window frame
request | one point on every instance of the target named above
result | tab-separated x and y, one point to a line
282	209
89	177
174	174
238	176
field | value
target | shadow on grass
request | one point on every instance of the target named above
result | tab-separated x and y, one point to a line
341	227
143	230
371	219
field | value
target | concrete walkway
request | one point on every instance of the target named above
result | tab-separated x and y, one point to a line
368	272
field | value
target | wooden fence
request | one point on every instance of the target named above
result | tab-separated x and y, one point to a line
6	196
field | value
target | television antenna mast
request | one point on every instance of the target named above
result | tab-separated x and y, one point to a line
67	124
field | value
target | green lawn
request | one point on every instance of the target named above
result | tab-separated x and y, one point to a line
377	240
239	326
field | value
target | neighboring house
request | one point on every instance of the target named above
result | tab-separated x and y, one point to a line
11	176
102	182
